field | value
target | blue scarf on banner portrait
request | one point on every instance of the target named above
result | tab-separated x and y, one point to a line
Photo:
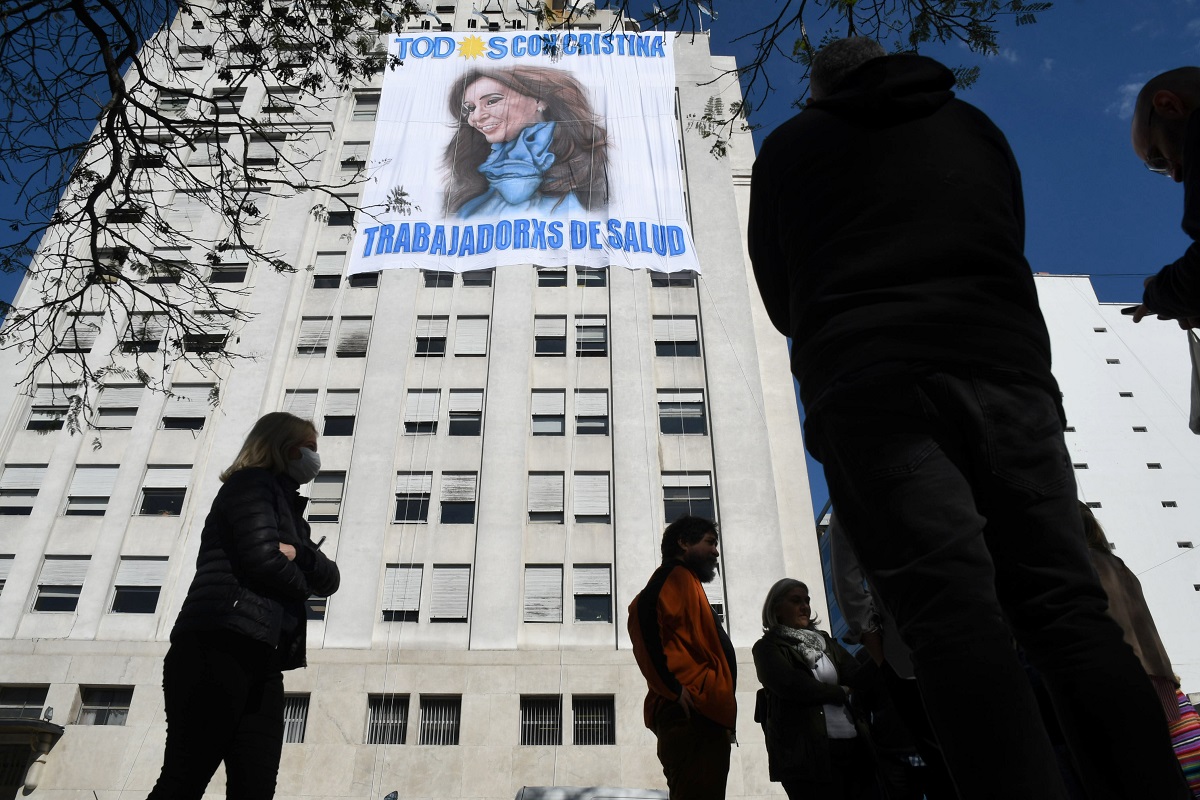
514	173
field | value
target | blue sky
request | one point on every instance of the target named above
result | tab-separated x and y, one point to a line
1061	91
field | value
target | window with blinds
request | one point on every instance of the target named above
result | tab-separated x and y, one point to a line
51	402
341	210
366	106
90	489
676	336
295	718
466	412
138	584
548	412
595	720
188	406
19	487
479	278
163	490
421	411
681	412
550	277
458	498
117	406
314	336
144	334
591	336
228	100
440	719
592	586
60	582
354	334
387	717
263	151
431	336
543	593
546	497
104	706
451	593
687	494
591	497
300	402
401	592
327	269
211	335
471	336
541	720
325	500
80	334
280	100
591	412
412	496
662	280
591	276
341	407
549	336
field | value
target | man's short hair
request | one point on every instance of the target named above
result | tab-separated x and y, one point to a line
689	529
839	58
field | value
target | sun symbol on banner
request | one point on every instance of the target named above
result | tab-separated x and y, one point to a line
471	47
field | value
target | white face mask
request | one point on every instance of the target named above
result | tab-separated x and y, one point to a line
306	467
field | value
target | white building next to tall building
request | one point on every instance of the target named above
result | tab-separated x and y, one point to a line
501	451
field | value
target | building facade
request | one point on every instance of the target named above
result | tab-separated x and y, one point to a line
501	451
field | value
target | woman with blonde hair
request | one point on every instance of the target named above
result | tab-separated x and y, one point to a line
243	620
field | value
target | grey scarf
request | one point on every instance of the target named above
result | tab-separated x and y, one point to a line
809	644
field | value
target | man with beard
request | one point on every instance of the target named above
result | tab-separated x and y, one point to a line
688	662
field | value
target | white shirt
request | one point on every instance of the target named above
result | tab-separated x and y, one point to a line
838	723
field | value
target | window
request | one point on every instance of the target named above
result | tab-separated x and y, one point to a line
591	336
681	412
541	720
131	212
227	101
421	411
340	212
171	104
1184	545
300	402
80	334
595	720
209	152
90	489
687	494
591	412
1069	429
364	280
60	583
591	276
546	497
327	270
543	593
280	101
412	496
118	406
264	150
214	330
138	584
1094	504
439	720
548	409
145	333
1112	361
366	106
229	272
1154	465
451	592
19	486
401	592
353	336
471	336
314	336
325	499
341	407
676	336
1080	465
22	702
295	718
458	498
550	336
188	406
104	706
551	277
191	56
714	590
6	562
477	278
1100	330
163	490
437	280
466	412
321	281
591	497
664	279
51	402
593	592
1139	429
314	608
1126	394
1169	504
431	336
387	718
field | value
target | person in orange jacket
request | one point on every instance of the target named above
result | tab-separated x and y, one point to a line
688	661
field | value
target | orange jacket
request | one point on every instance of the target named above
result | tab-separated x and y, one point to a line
677	642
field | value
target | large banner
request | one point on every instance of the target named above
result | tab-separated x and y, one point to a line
548	148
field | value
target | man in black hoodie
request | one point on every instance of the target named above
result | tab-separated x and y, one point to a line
887	236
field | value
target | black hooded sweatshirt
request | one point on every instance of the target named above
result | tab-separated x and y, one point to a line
887	233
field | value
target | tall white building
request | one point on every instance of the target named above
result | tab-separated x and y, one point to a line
500	453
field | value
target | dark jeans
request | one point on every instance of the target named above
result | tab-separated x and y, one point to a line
694	754
224	698
958	496
933	779
852	775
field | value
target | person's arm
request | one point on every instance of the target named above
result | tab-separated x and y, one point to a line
650	604
762	239
253	542
1174	293
796	684
320	572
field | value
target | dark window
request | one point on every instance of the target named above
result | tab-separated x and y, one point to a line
327	281
466	423
427	427
440	719
549	424
591	276
457	513
295	718
412	507
135	599
183	423
431	346
315	607
593	608
162	502
148	161
46	424
591	426
342	218
390	615
541	720
662	279
477	278
339	426
677	349
679	501
364	280
57	598
595	721
104	706
387	718
203	342
552	277
22	702
229	274
17	508
546	516
681	418
127	214
550	345
438	280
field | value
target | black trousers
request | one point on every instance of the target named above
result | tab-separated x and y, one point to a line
957	493
694	753
224	698
851	773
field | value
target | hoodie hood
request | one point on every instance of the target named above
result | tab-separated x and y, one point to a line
890	90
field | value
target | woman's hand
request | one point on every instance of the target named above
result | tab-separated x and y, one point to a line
288	551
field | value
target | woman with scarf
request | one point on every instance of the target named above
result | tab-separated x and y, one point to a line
526	141
815	747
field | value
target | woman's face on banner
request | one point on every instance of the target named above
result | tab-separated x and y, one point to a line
498	112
